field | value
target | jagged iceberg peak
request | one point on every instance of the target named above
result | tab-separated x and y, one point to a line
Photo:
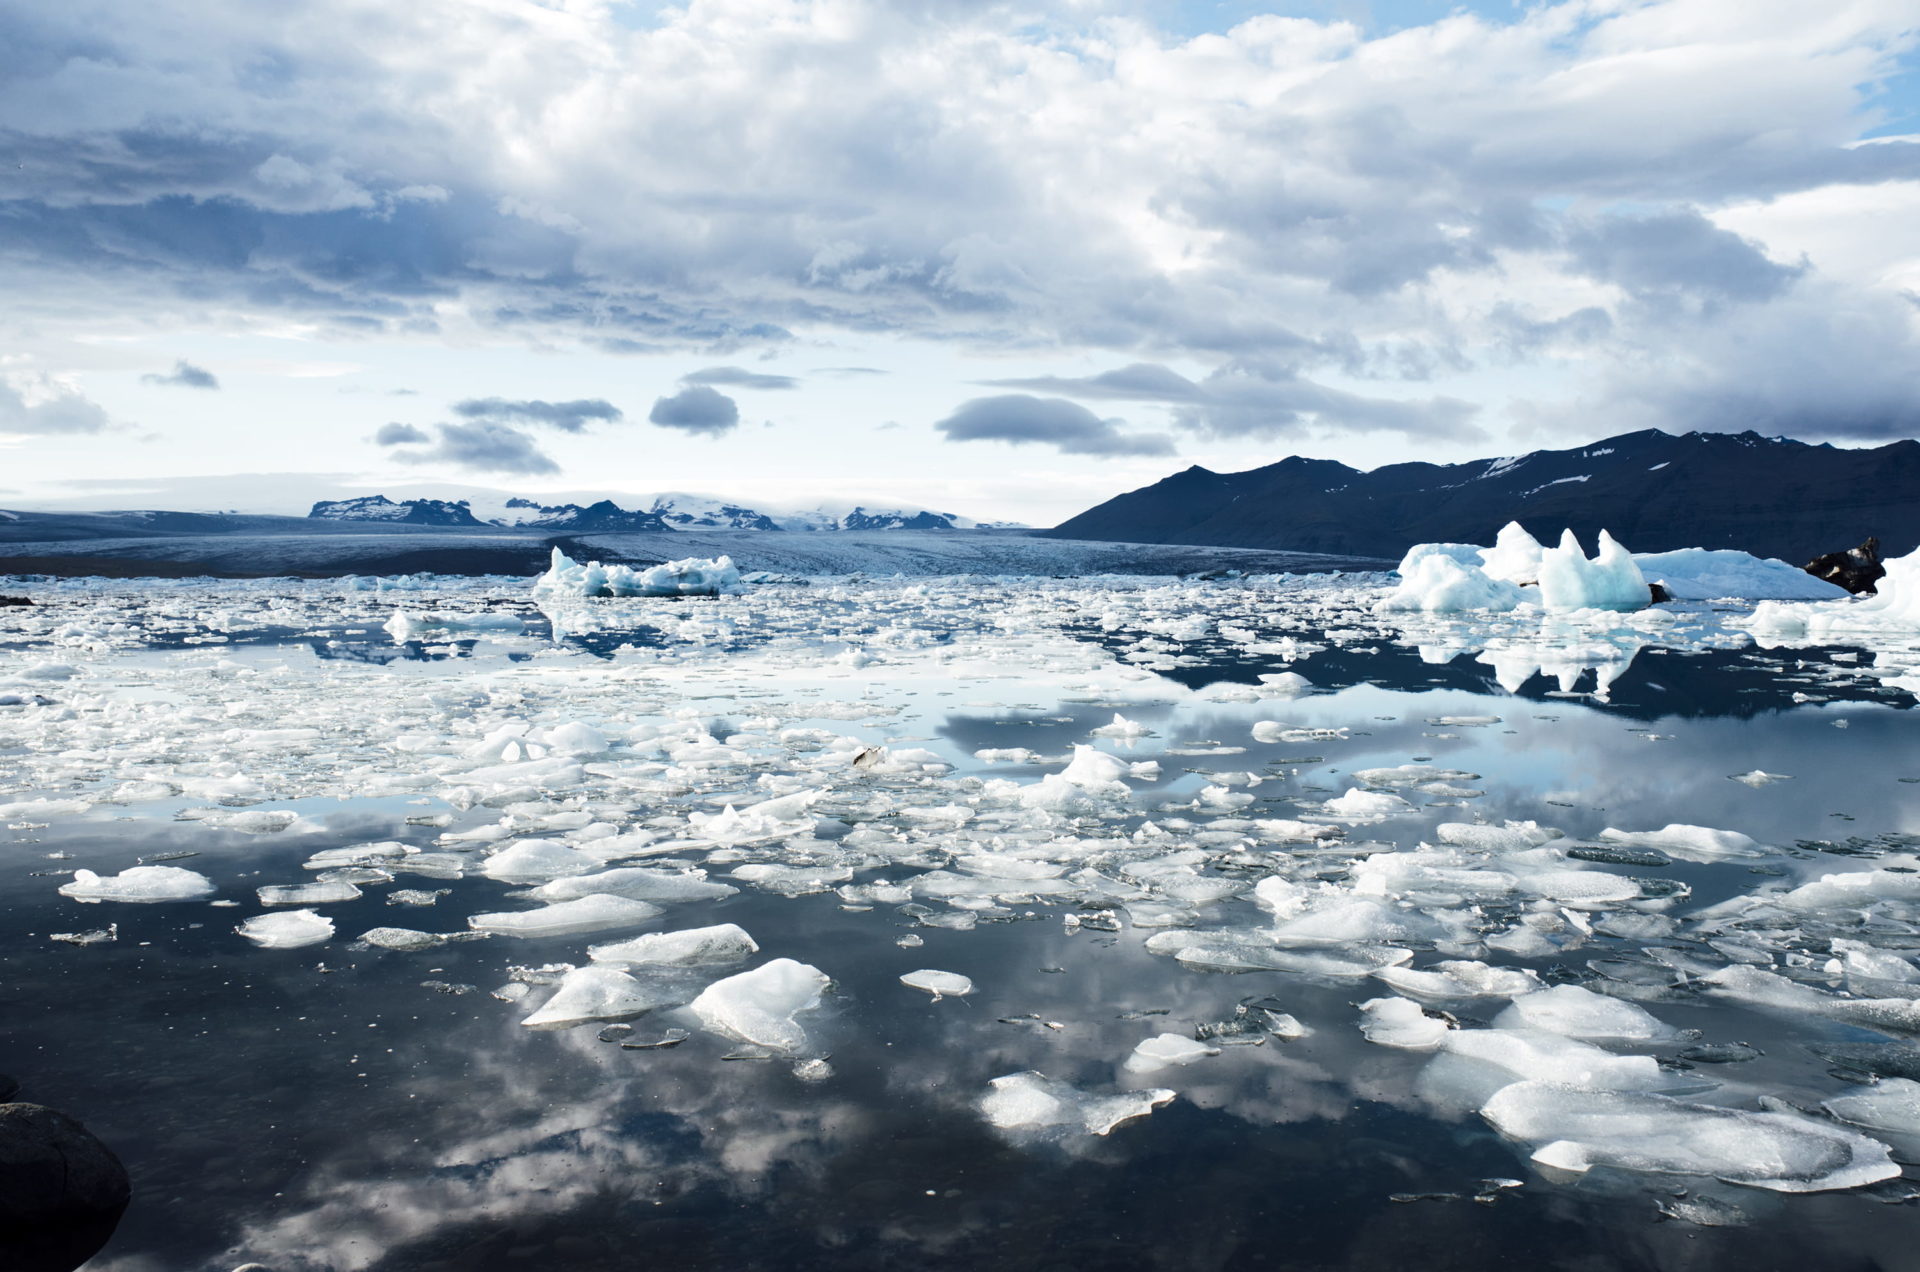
1609	580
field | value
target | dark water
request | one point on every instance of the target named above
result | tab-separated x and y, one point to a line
340	1108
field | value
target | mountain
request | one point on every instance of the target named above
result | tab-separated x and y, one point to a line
413	512
666	512
1771	496
605	515
696	512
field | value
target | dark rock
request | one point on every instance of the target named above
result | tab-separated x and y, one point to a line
1857	569
14	600
61	1190
1658	593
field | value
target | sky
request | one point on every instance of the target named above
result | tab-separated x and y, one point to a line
999	259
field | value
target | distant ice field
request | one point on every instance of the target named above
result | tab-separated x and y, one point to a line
960	920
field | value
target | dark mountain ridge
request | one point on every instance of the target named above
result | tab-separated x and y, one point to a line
1654	491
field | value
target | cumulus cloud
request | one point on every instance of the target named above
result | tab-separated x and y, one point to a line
568	417
698	409
184	375
398	434
1066	426
739	378
483	446
1377	204
40	404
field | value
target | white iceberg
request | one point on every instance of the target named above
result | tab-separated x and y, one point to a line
759	1006
1399	1022
1435	583
1163	1050
691	947
1610	580
287	929
694	576
1578	1130
594	993
594	913
939	984
1035	1102
139	883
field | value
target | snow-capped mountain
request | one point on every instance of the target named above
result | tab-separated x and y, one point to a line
674	511
1771	496
416	512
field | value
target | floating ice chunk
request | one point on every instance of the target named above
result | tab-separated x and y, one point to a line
1458	978
1858	959
1757	778
1283	684
639	883
693	576
1122	728
287	930
575	738
595	993
769	819
1035	1102
1610	581
1768	989
396	938
1399	1022
594	913
306	893
377	854
759	1006
537	860
1573	1012
1362	805
1532	1054
1578	1130
1580	888
1852	890
1515	836
1355	921
139	883
939	984
1162	1050
406	625
1892	1104
1692	843
1702	574
1514	556
690	947
1438	584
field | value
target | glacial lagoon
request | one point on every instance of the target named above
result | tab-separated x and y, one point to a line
1278	932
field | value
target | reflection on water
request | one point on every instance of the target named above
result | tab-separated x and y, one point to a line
346	1107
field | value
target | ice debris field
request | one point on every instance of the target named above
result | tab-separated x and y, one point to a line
1316	842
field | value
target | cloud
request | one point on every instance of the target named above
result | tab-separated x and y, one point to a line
35	403
1138	382
1361	202
397	434
484	446
1253	397
1066	426
568	417
696	410
740	378
184	375
1677	253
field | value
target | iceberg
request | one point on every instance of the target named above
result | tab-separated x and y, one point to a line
1436	583
594	993
287	929
1578	1130
759	1006
139	883
1610	580
939	984
694	576
593	913
1702	574
690	947
1035	1102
